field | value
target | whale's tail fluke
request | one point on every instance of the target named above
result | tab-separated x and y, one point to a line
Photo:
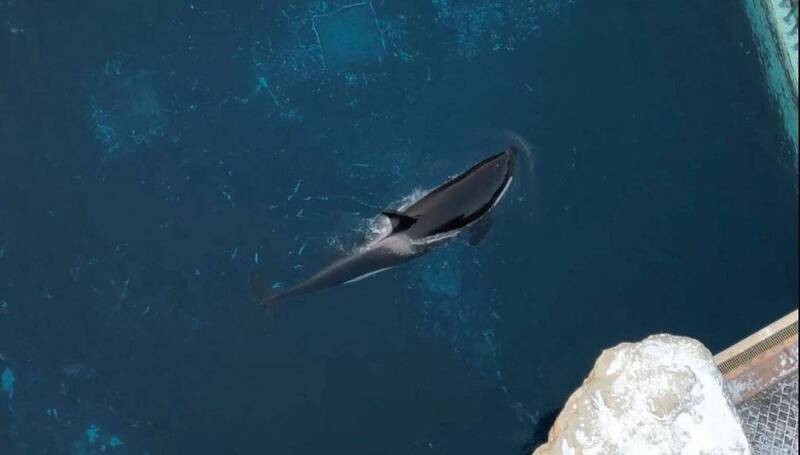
269	300
259	290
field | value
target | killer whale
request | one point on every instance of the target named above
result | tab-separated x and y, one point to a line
463	204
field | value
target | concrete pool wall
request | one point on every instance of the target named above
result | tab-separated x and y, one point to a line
774	24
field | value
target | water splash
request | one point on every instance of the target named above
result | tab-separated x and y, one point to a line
92	434
95	438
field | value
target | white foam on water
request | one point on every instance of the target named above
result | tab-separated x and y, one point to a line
379	227
411	198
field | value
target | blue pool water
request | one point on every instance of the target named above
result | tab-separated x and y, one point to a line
153	153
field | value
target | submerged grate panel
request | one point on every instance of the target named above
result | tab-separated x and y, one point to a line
770	418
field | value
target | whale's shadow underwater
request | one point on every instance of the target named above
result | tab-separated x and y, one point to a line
462	205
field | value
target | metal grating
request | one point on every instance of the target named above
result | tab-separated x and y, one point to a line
770	419
757	349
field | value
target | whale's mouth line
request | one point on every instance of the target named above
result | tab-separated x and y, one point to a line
503	192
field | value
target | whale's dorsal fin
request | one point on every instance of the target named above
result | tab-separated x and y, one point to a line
400	221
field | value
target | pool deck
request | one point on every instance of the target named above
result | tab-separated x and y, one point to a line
761	380
774	24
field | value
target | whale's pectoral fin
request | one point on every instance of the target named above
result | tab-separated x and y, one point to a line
478	232
400	221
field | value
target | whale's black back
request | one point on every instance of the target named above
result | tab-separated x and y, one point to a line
463	199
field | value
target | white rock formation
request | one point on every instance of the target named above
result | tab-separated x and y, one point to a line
662	395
